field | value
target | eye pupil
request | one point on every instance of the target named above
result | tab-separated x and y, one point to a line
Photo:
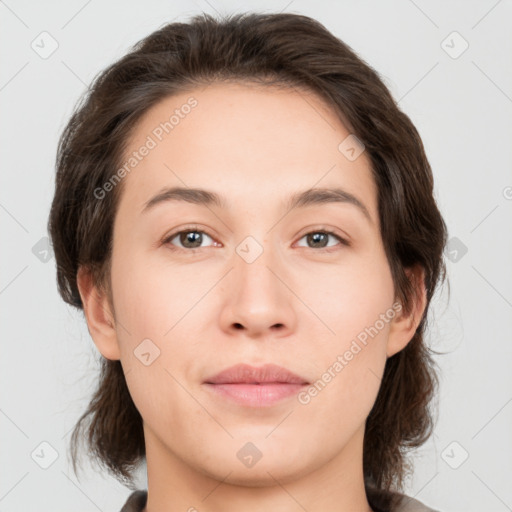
316	239
192	236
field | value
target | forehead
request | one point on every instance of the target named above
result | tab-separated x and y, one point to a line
243	140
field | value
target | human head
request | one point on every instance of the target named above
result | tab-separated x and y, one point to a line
285	52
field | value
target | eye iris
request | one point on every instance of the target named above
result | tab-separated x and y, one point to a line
191	236
315	238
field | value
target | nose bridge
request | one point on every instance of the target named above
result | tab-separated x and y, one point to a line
258	300
252	262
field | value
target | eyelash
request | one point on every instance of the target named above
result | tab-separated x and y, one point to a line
167	240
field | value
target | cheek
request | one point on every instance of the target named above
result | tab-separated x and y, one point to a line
151	299
155	309
351	298
356	305
349	370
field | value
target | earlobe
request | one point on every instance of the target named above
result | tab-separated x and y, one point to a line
404	324
100	320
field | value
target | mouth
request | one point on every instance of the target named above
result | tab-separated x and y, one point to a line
251	386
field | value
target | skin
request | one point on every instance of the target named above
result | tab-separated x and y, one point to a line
296	305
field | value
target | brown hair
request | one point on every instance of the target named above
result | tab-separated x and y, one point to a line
288	50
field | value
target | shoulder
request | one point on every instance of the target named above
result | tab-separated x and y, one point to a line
135	502
382	500
407	504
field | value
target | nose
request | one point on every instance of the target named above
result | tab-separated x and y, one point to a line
258	297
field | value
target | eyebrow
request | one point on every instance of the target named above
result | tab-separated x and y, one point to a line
310	197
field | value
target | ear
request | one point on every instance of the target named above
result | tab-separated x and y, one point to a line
404	325
99	316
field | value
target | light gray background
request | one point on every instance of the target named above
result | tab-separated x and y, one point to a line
462	108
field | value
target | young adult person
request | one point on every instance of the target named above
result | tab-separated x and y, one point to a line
247	220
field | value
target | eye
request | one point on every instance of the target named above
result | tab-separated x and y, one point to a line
193	238
320	239
188	239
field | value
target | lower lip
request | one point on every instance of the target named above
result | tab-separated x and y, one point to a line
256	395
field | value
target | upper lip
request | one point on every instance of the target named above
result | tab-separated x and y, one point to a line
246	374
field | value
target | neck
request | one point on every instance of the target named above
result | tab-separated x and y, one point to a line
335	486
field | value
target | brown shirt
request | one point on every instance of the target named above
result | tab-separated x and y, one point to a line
137	501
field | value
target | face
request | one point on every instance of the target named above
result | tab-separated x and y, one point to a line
257	277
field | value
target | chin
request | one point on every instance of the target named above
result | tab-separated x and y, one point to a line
264	476
271	467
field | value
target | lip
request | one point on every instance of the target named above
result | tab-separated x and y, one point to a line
252	386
